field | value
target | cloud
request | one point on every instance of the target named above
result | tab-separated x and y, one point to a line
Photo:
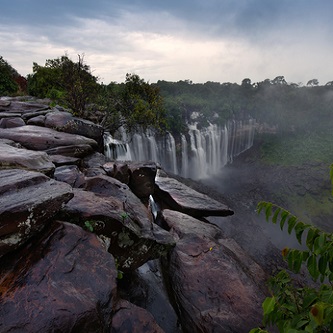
211	40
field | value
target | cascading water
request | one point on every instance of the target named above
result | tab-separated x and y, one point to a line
197	154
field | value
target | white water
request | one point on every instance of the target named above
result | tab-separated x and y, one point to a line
198	154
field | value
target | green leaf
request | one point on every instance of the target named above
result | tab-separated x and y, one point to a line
312	234
291	223
268	305
276	214
322	264
299	229
268	211
284	216
260	206
312	267
318	244
327	296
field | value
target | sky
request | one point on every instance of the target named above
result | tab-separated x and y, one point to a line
172	40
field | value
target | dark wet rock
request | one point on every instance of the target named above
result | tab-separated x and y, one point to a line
95	160
11	122
217	287
145	288
92	165
59	160
113	211
23	107
118	170
36	120
65	122
131	318
28	200
142	178
64	281
41	138
69	174
18	158
182	198
79	150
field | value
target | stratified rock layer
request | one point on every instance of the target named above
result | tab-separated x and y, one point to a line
28	200
182	198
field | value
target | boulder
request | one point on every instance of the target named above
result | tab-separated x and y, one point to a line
142	179
112	210
131	318
75	151
13	157
59	160
11	122
36	120
139	176
182	198
21	107
118	170
216	286
64	281
41	138
69	174
28	200
65	122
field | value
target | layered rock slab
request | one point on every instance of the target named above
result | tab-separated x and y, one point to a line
115	212
64	281
28	200
41	138
216	286
18	158
182	198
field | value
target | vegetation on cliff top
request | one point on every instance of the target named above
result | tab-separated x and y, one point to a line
300	116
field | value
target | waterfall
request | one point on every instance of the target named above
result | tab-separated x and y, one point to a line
197	154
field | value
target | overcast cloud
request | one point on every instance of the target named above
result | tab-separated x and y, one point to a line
207	40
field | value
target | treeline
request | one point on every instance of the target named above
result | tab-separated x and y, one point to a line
170	105
275	102
132	105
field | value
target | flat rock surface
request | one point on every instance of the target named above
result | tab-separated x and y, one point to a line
64	281
41	138
184	199
12	157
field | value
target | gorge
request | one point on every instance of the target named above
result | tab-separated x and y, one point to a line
76	229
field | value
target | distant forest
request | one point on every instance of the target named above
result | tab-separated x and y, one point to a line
169	105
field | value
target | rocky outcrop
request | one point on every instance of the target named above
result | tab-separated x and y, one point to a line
64	281
14	157
41	138
71	222
116	213
28	202
216	286
172	193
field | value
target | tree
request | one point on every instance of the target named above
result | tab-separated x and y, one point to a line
8	85
61	79
293	308
136	105
313	83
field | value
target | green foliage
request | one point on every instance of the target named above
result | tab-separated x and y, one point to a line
291	307
90	225
8	85
69	83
